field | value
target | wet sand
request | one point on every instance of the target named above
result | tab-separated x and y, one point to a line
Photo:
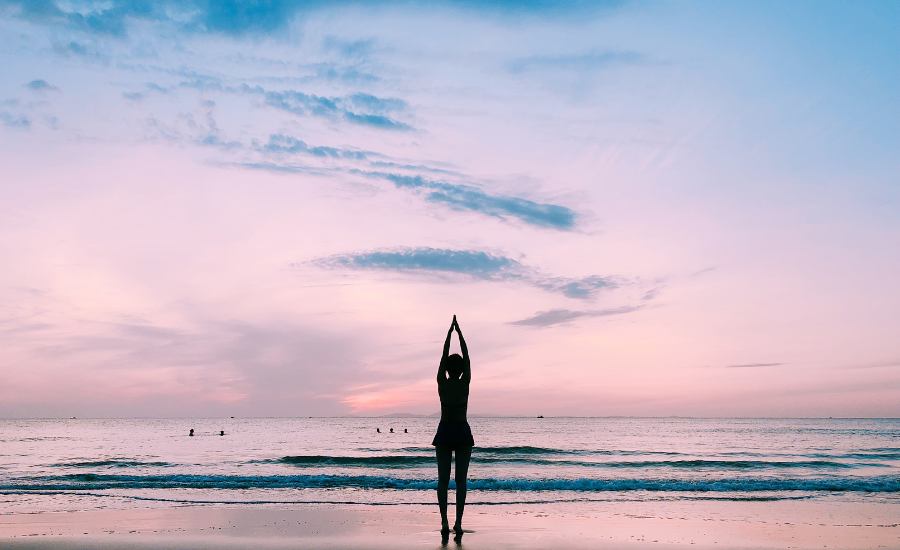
659	524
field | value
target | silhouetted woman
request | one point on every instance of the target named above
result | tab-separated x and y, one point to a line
453	433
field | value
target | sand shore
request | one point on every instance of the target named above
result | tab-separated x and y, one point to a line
677	524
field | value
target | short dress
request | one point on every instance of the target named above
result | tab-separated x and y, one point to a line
453	431
453	434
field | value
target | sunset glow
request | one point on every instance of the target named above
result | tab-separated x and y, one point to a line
633	208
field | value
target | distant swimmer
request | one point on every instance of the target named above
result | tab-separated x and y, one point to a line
377	430
222	432
192	432
392	430
405	431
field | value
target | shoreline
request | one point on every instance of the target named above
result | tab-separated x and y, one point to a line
833	524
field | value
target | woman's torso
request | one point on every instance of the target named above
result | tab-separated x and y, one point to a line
454	396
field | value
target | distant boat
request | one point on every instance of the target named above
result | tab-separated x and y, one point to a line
540	416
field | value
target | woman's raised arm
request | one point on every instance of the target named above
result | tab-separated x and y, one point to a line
442	368
467	367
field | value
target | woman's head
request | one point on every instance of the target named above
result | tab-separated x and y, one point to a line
454	364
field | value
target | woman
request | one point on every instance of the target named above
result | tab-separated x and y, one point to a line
453	433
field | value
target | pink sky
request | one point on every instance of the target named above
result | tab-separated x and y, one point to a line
629	214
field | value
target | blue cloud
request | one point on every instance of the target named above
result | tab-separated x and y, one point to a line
456	196
244	17
74	48
375	104
362	109
280	143
349	75
12	120
213	139
280	168
578	288
377	121
475	264
561	316
414	167
359	108
541	8
238	17
232	17
467	197
40	85
354	49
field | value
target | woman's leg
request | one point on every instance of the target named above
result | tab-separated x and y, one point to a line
443	462
462	471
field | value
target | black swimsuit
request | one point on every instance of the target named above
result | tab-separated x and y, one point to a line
453	431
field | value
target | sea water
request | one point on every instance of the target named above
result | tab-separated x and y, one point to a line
84	464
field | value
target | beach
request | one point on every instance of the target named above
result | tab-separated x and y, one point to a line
673	524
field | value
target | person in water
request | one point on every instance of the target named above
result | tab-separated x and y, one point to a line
191	433
453	434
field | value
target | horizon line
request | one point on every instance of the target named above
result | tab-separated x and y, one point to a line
410	415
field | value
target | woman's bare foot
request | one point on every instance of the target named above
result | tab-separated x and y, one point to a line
457	528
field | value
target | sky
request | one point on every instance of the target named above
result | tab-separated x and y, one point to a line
274	207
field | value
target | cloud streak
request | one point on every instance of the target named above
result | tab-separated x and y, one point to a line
457	196
468	264
561	316
752	365
471	198
237	18
14	120
358	108
227	17
283	144
40	85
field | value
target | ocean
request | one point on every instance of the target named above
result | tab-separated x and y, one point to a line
89	464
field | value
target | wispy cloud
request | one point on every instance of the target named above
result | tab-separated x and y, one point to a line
114	17
468	197
562	316
752	365
284	144
457	196
280	168
354	49
40	85
237	18
476	263
358	108
14	120
576	288
469	264
362	109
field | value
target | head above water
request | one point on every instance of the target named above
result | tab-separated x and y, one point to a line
454	364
